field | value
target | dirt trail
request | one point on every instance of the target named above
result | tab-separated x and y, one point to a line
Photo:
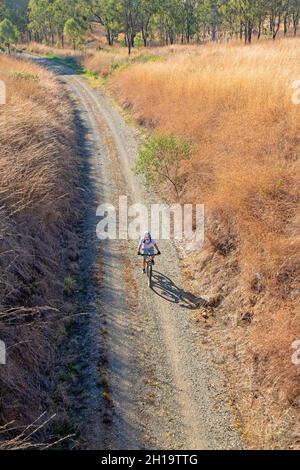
151	383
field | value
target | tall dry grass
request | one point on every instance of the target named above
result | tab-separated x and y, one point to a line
234	103
42	49
38	178
106	61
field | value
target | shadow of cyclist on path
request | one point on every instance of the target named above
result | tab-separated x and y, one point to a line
165	288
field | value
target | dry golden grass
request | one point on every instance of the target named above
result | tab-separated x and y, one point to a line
38	176
234	103
41	49
25	438
108	60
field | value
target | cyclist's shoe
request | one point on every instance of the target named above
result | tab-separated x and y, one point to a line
153	262
144	271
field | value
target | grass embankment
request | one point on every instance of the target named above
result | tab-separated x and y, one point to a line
38	206
234	104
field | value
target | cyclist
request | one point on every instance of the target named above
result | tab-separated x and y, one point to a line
146	247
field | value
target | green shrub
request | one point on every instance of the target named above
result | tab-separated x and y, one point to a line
26	76
138	41
159	160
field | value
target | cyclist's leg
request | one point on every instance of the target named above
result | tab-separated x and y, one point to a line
144	261
152	257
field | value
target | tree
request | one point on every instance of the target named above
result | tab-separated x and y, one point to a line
147	12
170	20
128	14
8	34
203	18
60	17
62	11
160	158
276	15
18	13
73	31
189	8
214	10
39	12
104	11
295	14
4	12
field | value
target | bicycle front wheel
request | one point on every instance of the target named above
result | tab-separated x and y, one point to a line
150	270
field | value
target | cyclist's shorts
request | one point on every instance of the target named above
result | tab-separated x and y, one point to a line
148	251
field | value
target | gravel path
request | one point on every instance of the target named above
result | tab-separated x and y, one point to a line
152	385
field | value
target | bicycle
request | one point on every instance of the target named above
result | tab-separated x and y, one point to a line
149	270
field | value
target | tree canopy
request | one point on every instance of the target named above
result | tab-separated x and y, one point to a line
8	34
154	21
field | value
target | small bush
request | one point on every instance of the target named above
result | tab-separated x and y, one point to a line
70	285
159	160
26	76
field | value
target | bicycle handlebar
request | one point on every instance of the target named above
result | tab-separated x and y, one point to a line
149	254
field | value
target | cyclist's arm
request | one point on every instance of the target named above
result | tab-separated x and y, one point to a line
158	250
139	248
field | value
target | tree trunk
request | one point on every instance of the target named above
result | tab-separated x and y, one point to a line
109	37
259	29
285	24
145	31
241	31
129	44
295	23
132	40
276	27
214	31
144	36
249	32
214	34
171	38
246	33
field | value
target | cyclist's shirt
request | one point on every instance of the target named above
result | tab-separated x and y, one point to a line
147	244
